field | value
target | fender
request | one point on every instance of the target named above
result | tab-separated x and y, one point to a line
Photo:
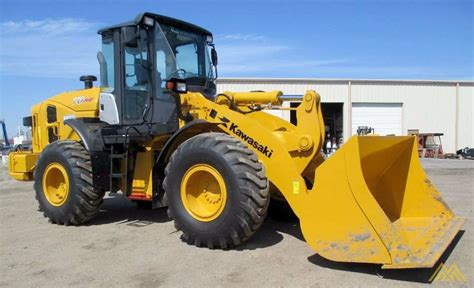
89	131
189	130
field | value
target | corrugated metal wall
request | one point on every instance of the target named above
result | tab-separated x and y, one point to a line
430	106
466	120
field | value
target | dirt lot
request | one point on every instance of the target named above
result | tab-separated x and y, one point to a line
126	246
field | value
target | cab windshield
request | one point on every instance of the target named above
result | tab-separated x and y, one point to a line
181	54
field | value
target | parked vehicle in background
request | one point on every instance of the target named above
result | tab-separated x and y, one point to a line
466	153
365	130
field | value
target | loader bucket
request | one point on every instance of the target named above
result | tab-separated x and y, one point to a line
372	203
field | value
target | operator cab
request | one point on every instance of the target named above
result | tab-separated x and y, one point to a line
137	60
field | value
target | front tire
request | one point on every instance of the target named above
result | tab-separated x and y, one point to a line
217	191
64	186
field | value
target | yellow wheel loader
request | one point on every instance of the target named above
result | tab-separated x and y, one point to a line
156	131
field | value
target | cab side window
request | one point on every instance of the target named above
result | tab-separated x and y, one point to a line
137	83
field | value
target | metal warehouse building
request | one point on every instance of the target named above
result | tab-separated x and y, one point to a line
388	106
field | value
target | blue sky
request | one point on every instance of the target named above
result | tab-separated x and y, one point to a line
46	45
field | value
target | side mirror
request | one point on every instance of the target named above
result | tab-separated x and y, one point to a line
214	56
129	36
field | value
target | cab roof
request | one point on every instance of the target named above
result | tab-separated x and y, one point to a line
161	19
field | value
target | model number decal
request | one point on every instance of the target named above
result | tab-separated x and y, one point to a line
81	99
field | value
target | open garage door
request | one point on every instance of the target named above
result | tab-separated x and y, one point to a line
385	118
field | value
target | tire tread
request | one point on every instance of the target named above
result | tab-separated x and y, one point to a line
253	185
88	199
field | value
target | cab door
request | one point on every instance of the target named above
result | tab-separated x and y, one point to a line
136	84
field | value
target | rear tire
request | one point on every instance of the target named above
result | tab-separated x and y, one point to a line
66	165
245	196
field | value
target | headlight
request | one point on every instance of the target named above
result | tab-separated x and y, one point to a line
181	87
177	85
148	21
209	39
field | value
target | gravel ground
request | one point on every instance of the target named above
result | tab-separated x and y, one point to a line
127	246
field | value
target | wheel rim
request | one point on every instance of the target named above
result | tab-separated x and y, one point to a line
55	184
203	192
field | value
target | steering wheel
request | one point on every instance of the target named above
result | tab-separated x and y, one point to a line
178	72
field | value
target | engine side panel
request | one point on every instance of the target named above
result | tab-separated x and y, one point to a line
49	116
48	126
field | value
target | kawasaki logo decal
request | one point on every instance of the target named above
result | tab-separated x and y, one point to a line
263	149
234	128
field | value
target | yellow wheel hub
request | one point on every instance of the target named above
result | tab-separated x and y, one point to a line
203	192
55	184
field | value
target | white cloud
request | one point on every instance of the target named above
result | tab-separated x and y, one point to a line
67	47
281	67
240	52
254	55
250	54
57	48
243	37
47	26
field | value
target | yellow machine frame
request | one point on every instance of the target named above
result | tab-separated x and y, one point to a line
357	210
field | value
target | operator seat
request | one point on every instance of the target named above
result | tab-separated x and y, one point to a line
141	73
137	94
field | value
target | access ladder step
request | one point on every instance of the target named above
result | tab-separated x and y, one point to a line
117	175
117	156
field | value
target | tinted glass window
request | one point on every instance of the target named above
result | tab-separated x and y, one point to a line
187	58
137	82
185	53
136	74
161	68
108	80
